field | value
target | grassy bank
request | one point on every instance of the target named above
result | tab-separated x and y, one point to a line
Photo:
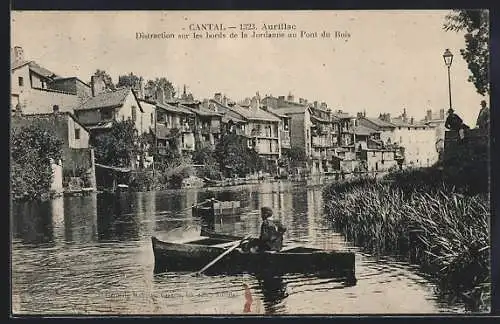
420	214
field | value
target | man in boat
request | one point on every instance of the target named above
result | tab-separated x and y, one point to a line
271	234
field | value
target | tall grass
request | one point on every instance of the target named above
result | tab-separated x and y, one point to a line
443	227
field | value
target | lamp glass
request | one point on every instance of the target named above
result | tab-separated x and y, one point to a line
448	57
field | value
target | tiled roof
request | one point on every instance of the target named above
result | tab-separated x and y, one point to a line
379	122
33	67
226	119
201	111
277	113
363	130
175	109
319	119
106	99
247	113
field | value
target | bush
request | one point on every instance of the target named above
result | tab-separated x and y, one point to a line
453	227
175	175
32	147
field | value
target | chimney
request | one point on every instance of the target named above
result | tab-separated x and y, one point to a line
412	120
97	85
315	104
281	101
224	101
160	96
405	118
290	97
301	101
218	97
141	88
324	105
360	115
441	114
17	54
428	117
55	109
254	103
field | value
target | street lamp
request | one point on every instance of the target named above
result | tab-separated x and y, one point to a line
448	58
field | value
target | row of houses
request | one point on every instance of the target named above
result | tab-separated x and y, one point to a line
330	140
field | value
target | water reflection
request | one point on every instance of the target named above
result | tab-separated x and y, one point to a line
92	277
273	289
32	222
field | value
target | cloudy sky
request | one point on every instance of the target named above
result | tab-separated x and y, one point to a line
392	59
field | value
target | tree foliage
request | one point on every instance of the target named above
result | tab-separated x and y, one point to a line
475	24
128	80
108	81
118	146
153	86
234	156
32	147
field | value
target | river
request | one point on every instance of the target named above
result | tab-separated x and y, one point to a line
93	255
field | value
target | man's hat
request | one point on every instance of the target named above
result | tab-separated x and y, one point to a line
266	212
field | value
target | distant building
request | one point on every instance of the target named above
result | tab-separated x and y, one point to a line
99	111
418	139
262	127
35	90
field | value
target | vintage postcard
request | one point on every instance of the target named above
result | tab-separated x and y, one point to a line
250	162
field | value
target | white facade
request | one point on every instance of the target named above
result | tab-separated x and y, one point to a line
419	143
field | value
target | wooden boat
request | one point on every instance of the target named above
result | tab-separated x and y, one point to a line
193	255
212	208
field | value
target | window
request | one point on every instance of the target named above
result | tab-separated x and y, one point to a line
106	114
20	81
400	139
152	119
134	113
270	146
77	133
307	134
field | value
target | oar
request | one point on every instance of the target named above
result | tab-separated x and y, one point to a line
214	261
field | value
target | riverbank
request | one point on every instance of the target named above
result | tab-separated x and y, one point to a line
419	215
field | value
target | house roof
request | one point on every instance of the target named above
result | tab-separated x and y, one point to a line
33	66
101	125
175	109
62	113
248	113
226	119
203	111
379	123
363	130
108	99
277	113
321	120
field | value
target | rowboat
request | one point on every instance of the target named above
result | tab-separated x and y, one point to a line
192	255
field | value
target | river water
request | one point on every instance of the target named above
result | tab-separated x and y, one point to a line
93	255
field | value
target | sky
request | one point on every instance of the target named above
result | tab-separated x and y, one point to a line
390	61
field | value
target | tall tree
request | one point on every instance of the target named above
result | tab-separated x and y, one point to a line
128	80
475	24
108	81
152	87
118	146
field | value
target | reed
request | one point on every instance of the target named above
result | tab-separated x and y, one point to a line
439	226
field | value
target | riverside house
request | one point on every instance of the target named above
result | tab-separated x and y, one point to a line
36	90
261	127
312	129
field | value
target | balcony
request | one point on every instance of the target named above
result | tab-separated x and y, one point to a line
285	139
322	141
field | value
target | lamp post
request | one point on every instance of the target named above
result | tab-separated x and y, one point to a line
448	58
